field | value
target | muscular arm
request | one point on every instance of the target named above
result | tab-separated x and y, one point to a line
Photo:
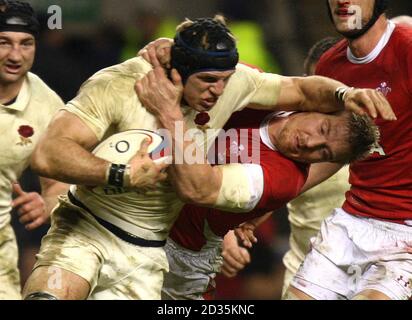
309	94
317	94
194	183
63	153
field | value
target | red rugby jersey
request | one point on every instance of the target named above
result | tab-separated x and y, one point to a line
283	180
382	184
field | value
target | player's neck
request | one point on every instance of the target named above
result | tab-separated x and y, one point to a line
364	45
9	91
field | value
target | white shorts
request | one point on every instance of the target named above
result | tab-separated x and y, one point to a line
9	271
191	274
353	254
115	269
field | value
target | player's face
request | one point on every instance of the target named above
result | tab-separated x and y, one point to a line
314	137
202	89
346	14
17	50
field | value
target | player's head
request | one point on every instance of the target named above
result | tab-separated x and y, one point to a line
345	14
314	54
405	20
312	137
18	29
205	55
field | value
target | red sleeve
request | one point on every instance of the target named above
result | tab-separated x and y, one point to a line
283	180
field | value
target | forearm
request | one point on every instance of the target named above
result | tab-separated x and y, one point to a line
259	220
197	182
319	94
51	189
320	172
310	94
65	160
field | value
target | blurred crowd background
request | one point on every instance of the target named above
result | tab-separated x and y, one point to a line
274	35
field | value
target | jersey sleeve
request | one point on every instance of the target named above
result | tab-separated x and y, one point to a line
250	86
283	180
266	86
241	189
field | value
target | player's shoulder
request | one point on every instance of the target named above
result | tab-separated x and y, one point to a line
402	38
42	92
283	178
275	163
336	51
119	78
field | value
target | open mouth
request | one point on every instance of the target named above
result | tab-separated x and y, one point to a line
344	13
12	68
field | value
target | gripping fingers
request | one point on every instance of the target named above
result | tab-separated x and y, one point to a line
365	100
234	263
384	107
177	79
354	107
228	272
144	145
35	224
162	176
154	61
144	54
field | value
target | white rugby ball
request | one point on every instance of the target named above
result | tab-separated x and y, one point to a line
121	147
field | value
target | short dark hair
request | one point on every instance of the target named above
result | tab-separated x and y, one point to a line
363	136
317	50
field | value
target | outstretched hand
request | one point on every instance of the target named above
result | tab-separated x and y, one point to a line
375	103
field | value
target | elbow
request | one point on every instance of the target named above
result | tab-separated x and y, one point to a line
189	196
197	197
204	191
39	163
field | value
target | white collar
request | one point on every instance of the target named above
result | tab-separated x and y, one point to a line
264	128
22	99
378	49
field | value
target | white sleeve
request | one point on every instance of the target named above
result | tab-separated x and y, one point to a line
242	187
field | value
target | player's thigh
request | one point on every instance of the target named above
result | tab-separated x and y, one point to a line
135	273
370	295
70	256
48	282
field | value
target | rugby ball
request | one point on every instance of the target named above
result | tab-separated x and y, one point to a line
121	147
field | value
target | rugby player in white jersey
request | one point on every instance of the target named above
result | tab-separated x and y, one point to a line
27	105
